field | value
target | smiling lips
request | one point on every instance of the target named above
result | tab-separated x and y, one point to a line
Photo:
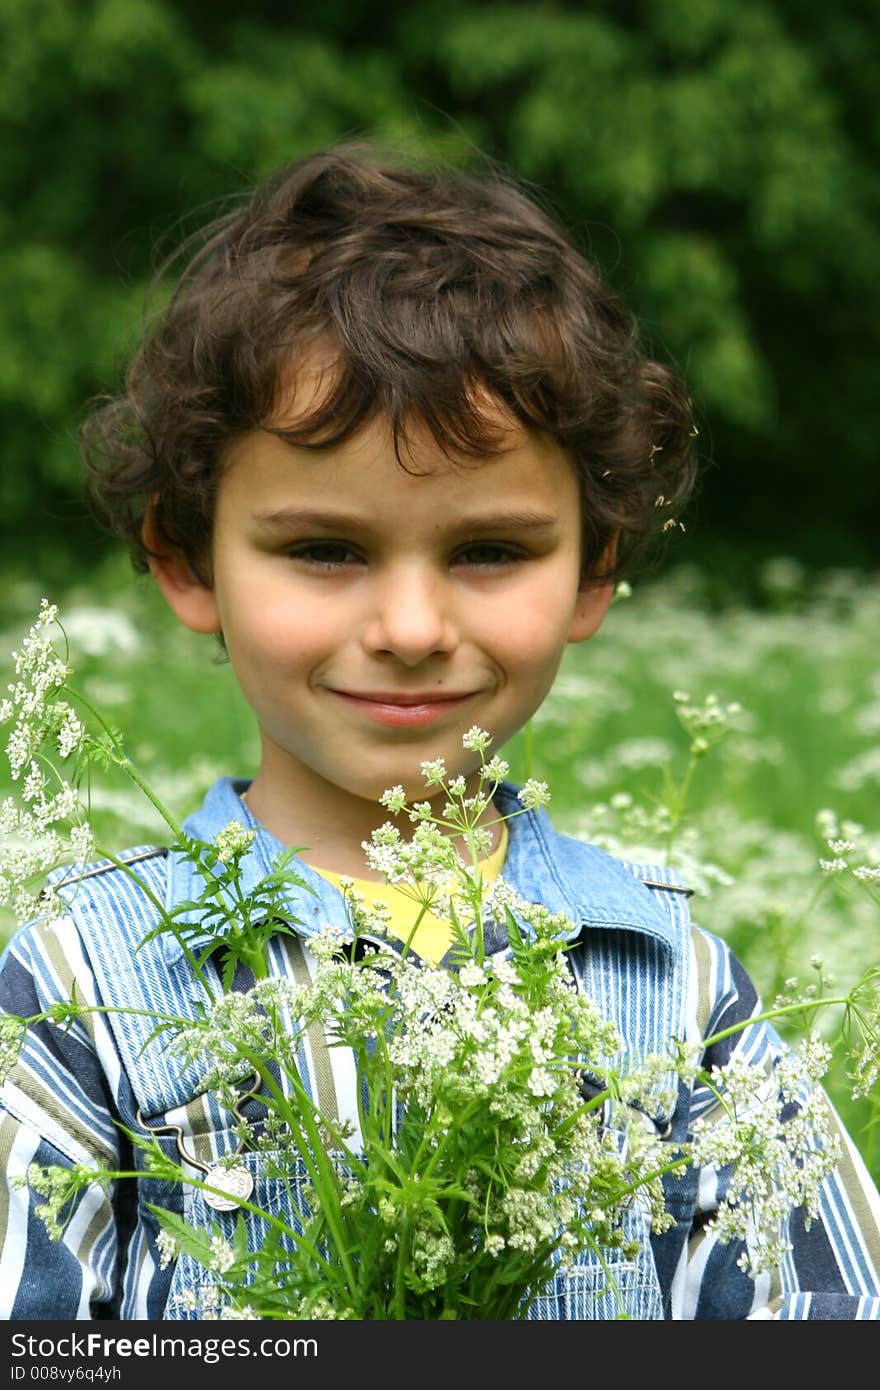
404	710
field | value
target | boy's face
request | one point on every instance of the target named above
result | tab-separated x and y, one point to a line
373	615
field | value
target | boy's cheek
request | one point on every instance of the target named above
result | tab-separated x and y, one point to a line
532	640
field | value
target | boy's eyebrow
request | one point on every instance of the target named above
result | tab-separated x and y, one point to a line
519	519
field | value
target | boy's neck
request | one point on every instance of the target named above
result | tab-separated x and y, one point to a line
331	836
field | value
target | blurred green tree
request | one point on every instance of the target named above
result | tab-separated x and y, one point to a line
718	158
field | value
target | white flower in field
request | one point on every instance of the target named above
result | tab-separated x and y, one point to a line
393	799
499	897
833	866
482	840
327	944
472	975
865	1072
489	1064
495	770
533	795
222	1255
773	1130
383	853
228	1313
71	733
476	740
12	1035
96	631
34	783
505	971
433	771
708	723
82	842
233	840
18	749
187	1301
864	768
65	805
541	1082
167	1248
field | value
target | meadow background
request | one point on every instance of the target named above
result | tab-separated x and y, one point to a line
719	160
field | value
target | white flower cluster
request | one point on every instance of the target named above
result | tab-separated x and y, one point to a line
33	697
167	1249
12	1033
57	1186
45	823
233	841
429	857
853	852
534	795
863	1032
240	1024
708	723
770	1144
438	866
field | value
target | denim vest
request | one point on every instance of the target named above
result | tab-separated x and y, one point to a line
631	955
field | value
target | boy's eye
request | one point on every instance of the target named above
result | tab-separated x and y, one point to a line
324	554
489	554
331	554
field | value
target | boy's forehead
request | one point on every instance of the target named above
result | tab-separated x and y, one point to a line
305	384
307	381
282	485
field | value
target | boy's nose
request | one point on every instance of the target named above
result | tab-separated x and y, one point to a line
411	619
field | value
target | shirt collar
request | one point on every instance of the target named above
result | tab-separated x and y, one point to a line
578	879
566	875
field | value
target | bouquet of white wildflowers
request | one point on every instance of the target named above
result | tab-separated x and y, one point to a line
496	1137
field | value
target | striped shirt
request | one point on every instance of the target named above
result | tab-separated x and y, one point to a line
70	1091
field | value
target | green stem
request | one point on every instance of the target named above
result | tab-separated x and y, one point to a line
407	945
681	796
450	1134
275	1221
320	1168
253	953
645	1179
399	1300
612	1282
78	1010
781	1011
528	749
123	761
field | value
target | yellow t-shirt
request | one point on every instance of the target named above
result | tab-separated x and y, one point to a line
433	935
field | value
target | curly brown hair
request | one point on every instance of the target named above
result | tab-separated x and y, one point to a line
433	286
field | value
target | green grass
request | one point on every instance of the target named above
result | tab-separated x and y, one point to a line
802	665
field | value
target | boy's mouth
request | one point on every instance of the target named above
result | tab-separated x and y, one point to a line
403	709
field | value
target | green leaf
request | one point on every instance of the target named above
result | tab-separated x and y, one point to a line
189	1240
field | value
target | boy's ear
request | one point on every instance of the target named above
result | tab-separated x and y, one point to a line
189	598
593	597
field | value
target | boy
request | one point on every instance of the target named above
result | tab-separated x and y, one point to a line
392	440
